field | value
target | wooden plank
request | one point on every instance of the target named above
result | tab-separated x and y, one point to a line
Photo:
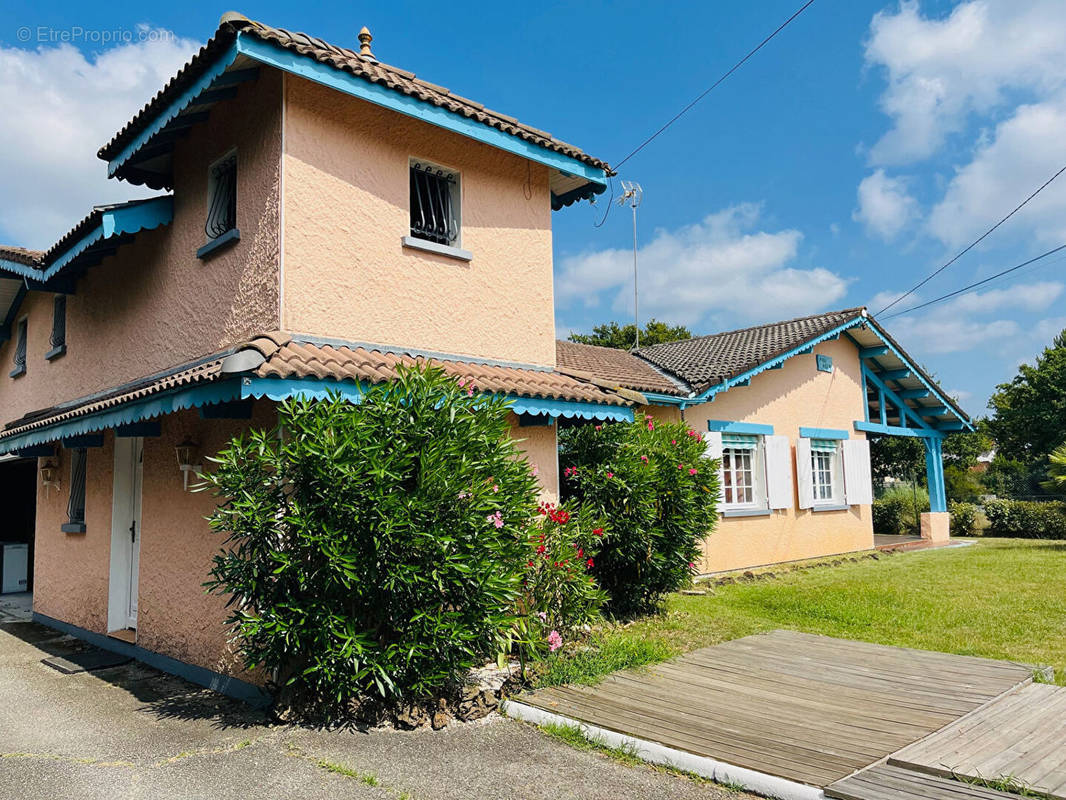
884	782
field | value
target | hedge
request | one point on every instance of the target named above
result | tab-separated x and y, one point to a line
1026	519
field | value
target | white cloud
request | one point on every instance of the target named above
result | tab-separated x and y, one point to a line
942	70
1021	153
720	266
885	206
62	107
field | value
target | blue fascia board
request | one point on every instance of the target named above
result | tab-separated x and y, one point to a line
224	684
747	428
745	377
179	104
893	430
316	389
149	408
309	68
823	433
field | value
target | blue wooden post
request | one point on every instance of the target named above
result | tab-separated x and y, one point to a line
934	471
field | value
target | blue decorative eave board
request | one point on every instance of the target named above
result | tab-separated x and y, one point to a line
126	414
315	389
306	67
125	220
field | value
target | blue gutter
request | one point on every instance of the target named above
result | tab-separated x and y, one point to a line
667	399
316	389
115	222
307	67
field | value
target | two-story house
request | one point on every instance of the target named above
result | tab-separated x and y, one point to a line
324	217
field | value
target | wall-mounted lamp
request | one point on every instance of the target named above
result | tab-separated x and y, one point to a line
186	453
50	473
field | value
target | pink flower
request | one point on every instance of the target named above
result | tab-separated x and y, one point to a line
462	382
496	487
680	466
651	425
599	427
463	495
692	471
496	519
691	565
597	531
589	563
644	459
610	474
555	641
470	392
536	470
673	441
543	615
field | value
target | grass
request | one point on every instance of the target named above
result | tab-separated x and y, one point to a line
999	598
1005	783
369	778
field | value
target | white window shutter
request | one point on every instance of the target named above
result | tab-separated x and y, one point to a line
714	450
778	471
803	472
858	483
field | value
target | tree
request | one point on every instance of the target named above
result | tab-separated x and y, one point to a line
1029	413
901	457
1056	482
623	337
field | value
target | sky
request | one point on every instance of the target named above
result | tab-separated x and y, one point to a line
857	152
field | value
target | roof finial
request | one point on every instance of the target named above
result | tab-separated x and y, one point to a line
364	42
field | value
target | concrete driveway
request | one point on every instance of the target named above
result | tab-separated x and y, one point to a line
132	732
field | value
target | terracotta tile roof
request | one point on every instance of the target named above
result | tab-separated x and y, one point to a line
301	359
612	366
706	361
349	61
179	378
20	255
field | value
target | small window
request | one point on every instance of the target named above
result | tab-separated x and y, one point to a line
20	349
222	197
435	212
742	471
58	339
76	504
825	471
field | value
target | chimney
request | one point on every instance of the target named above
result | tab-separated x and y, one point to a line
364	43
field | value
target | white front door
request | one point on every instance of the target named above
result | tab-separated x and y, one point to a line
125	533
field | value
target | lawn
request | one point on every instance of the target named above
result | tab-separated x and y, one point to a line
999	598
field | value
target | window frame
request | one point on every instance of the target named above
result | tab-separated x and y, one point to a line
22	335
59	324
216	241
79	458
759	498
420	240
836	476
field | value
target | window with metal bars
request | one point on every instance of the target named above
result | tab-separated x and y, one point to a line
434	204
76	504
58	339
222	197
20	349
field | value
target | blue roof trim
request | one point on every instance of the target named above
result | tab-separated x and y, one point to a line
183	101
805	347
125	414
307	67
659	399
316	389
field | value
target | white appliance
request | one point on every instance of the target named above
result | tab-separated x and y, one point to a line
14	567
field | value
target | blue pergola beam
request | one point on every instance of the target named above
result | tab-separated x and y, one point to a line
873	352
894	374
932	411
887	393
934	471
913	394
895	430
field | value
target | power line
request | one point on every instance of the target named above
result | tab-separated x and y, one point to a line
971	245
978	283
714	85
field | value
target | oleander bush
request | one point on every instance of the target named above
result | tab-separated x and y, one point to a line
1026	519
376	549
657	492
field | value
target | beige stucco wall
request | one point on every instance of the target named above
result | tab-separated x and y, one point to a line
154	305
540	446
346	207
796	396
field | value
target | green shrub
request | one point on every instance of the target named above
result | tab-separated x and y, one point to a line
1026	519
374	549
559	595
653	485
963	519
894	511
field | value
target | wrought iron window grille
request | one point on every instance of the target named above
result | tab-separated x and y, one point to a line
434	204
59	321
222	203
20	349
76	504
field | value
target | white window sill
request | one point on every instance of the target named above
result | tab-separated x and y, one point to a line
746	512
440	249
831	507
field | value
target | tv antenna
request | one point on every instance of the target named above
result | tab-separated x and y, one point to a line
633	193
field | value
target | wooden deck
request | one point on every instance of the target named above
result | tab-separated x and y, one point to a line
886	782
1022	736
809	709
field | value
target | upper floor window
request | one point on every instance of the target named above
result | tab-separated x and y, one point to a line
435	200
20	349
222	197
58	339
